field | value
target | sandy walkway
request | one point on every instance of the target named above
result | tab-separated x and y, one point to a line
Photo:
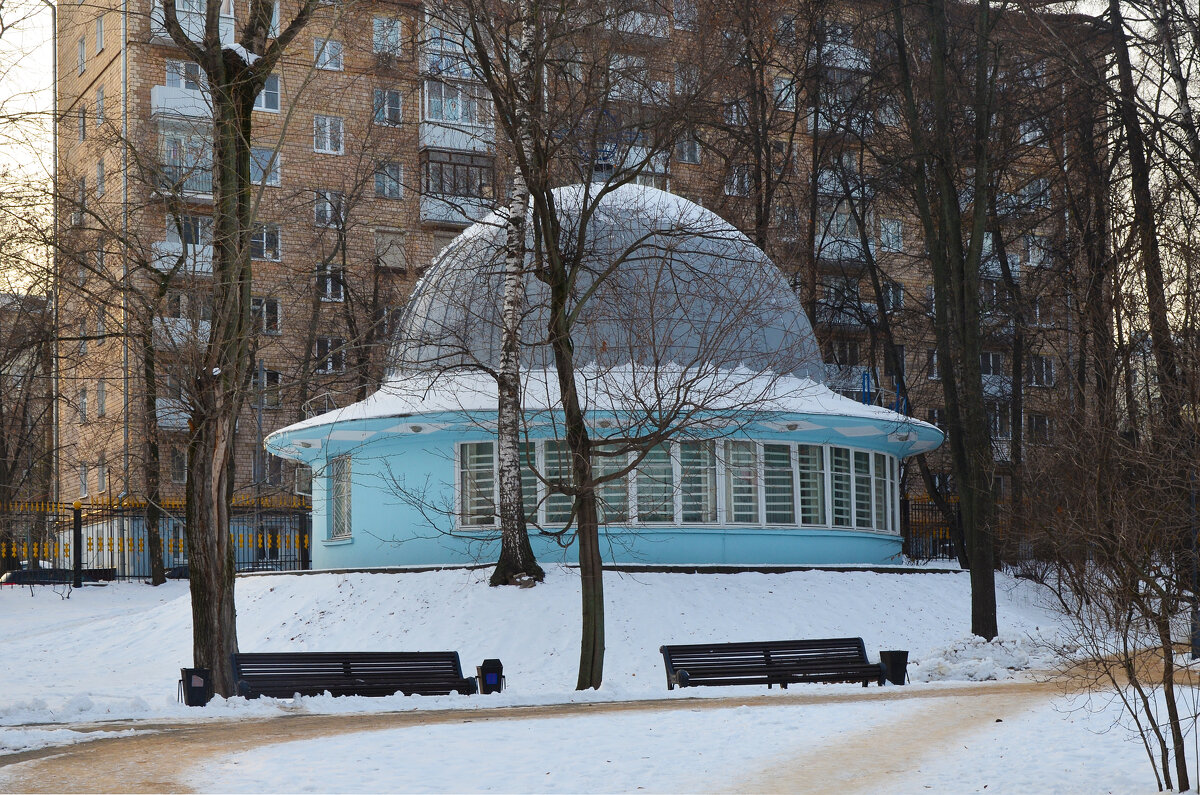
151	762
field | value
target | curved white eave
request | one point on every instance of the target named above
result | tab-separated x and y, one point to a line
607	391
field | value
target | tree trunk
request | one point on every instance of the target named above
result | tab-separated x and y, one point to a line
153	458
516	563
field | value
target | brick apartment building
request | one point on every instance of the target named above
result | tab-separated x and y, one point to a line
373	148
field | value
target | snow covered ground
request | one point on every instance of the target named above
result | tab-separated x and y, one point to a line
114	652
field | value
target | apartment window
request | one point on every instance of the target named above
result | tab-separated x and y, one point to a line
100	40
627	77
999	419
1038	428
1043	315
698	481
178	465
932	359
83	335
991	363
81	406
330	355
264	242
327	134
685	14
173	385
459	174
842	352
101	327
99	106
889	368
456	103
186	75
737	182
268	469
1038	251
327	208
266	314
389	250
190	230
477	484
937	418
388	107
687	150
891	235
83	480
81	123
387	180
1033	133
328	54
268	388
655	486
303	480
99	177
386	38
268	98
1041	370
687	79
1037	194
101	398
82	54
892	294
264	166
102	474
331	285
785	93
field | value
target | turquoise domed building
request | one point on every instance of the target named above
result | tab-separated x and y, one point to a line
702	385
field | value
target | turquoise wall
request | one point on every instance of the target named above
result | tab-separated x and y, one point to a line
403	501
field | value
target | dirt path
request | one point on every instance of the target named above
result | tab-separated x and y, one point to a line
154	761
867	761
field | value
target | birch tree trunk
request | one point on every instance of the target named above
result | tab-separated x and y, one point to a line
516	563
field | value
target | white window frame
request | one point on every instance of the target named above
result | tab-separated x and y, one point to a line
329	134
268	315
330	355
382	107
329	55
327	208
387	37
331	282
341	493
267	100
260	156
389	180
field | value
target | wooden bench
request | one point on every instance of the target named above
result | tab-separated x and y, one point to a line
779	662
284	674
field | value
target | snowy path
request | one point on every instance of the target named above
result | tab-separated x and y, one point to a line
873	760
176	758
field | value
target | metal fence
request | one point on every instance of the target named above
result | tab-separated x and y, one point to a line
927	533
113	541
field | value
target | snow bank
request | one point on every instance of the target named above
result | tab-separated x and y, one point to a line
115	652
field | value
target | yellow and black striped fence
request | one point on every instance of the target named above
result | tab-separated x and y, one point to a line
111	540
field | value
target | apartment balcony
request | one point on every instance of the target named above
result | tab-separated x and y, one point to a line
839	55
191	182
997	387
1002	450
990	267
640	23
844	253
170	102
456	137
842	185
847	314
192	23
196	260
171	414
849	378
450	210
174	333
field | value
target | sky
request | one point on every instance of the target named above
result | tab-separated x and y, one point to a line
26	83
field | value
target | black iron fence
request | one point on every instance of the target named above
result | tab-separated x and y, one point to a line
928	535
113	541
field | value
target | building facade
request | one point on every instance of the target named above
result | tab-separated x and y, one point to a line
374	146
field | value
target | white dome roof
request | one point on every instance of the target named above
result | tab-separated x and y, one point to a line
664	281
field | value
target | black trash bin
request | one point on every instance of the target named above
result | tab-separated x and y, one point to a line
897	665
491	676
196	686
